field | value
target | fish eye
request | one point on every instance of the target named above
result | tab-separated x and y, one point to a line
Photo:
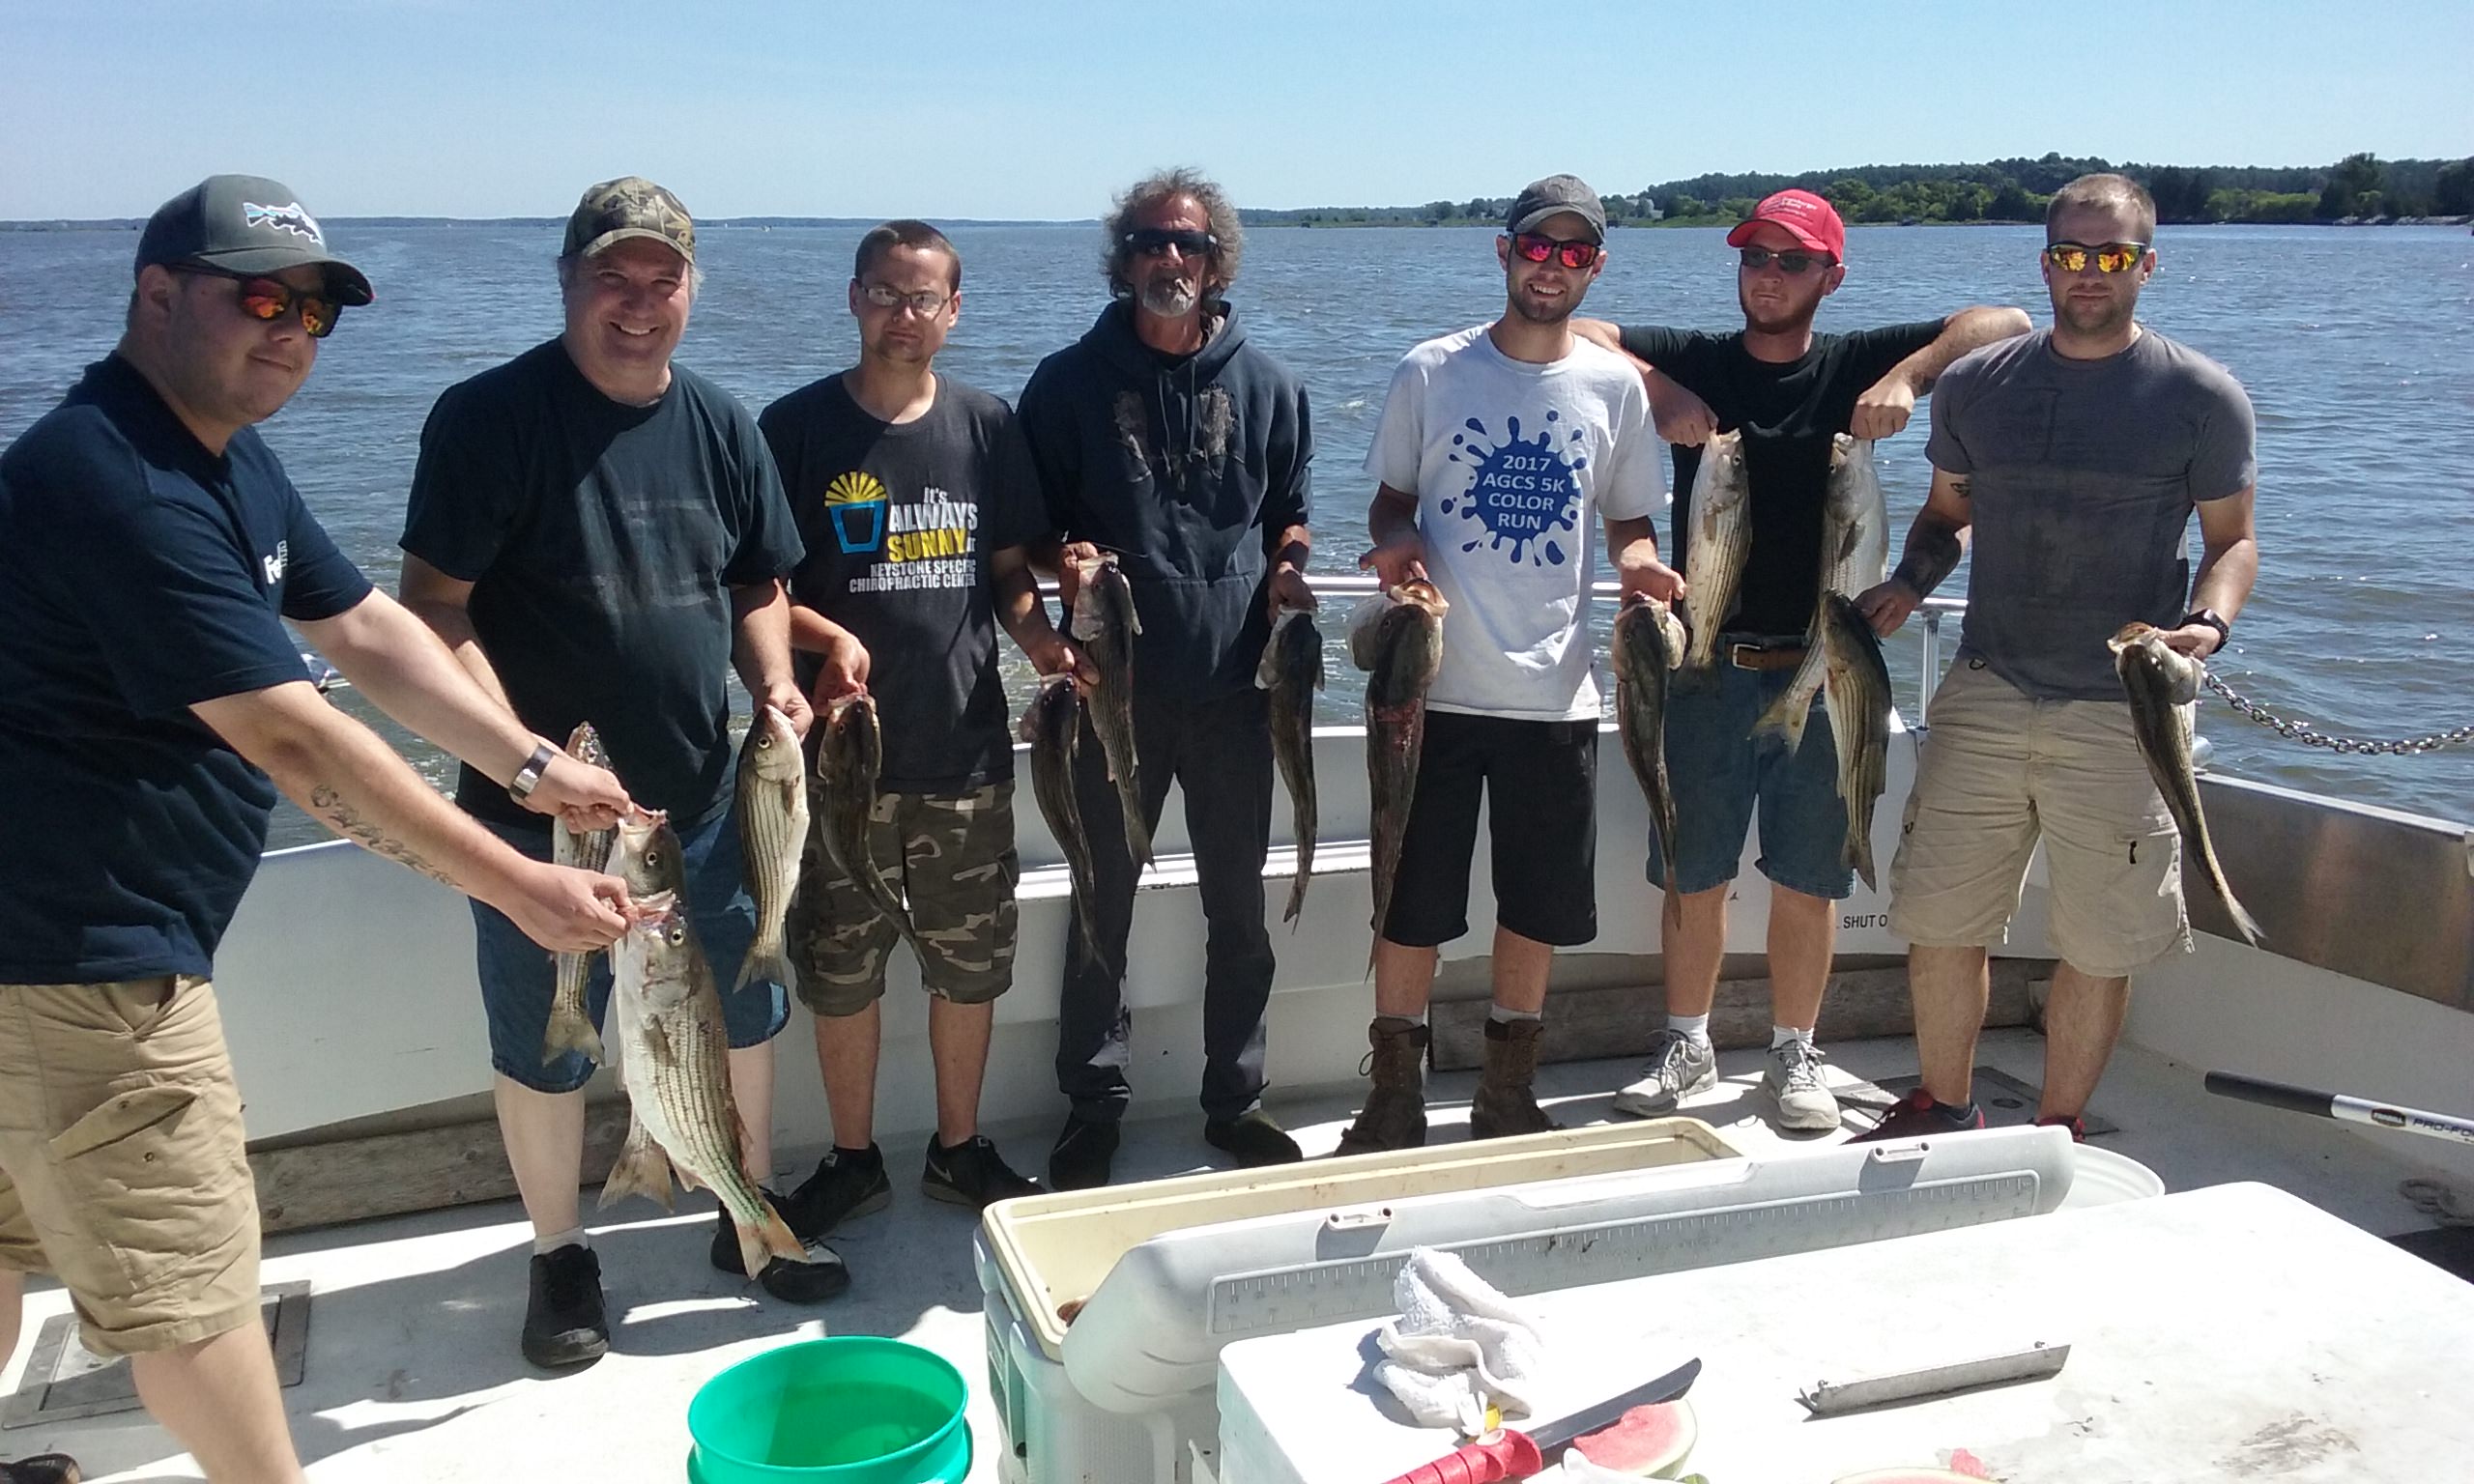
677	936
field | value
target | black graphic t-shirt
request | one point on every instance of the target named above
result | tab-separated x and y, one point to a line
1788	411
899	521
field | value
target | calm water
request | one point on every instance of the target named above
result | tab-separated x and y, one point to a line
2357	346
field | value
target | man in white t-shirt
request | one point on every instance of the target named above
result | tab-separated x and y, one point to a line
1499	448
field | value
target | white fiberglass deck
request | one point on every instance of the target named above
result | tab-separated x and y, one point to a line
411	1365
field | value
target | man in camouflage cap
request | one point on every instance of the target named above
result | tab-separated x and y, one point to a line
600	536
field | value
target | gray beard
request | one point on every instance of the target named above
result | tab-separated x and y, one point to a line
1170	299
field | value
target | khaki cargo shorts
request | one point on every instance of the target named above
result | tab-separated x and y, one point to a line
951	857
2001	770
123	1168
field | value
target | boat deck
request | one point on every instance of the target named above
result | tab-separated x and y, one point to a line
411	1363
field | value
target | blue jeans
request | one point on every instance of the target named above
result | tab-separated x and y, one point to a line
1718	771
517	976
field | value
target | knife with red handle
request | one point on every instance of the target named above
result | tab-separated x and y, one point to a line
1509	1453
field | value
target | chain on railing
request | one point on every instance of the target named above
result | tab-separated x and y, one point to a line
2311	737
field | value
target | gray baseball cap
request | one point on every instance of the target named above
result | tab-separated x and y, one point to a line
1552	196
246	224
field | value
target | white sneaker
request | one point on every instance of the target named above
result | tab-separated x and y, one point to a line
1793	1079
1678	1067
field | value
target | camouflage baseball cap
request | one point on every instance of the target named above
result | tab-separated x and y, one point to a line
629	206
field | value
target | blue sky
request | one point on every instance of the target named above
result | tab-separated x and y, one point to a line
965	109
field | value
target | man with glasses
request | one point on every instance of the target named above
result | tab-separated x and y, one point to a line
1500	447
917	504
151	705
599	535
1787	391
1166	437
2074	459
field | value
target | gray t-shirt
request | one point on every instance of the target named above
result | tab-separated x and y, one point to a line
2082	476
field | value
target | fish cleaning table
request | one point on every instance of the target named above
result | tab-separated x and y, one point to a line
2232	1332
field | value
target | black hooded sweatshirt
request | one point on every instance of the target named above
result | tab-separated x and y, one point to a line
1190	467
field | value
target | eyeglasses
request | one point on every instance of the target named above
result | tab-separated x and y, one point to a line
270	299
1538	247
1155	242
1791	262
2111	258
927	304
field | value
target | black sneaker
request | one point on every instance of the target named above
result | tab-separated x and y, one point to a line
971	1173
563	1321
823	1275
1917	1116
844	1185
42	1468
1084	1149
1253	1137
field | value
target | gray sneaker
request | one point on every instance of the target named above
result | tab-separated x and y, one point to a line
1793	1077
1678	1067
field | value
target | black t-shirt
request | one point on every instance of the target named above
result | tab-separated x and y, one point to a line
139	575
899	519
1788	411
602	541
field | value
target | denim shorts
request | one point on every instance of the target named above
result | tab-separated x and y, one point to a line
1718	770
517	976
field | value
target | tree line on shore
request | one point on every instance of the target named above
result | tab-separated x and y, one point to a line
2358	187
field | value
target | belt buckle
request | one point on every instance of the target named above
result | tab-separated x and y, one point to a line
1738	650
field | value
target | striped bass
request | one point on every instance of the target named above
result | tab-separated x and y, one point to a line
1721	538
1291	671
1397	639
1104	624
1854	554
1054	727
848	760
773	804
570	1027
1649	646
2163	686
1856	692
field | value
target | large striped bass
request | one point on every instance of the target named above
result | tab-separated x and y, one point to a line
570	1027
1054	727
1854	554
1291	671
1105	624
1721	538
2163	685
1649	644
1856	692
773	804
847	761
666	1009
1397	639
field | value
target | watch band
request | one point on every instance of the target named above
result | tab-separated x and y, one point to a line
2213	619
529	777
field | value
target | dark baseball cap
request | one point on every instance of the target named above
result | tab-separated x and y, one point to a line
629	206
1551	196
246	224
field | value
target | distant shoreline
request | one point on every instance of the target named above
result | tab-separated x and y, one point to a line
747	224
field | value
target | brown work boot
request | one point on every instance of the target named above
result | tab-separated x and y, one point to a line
1394	1115
1503	1103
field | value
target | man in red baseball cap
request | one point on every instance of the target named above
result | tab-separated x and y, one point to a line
1789	391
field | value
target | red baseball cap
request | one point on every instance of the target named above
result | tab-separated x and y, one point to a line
1807	217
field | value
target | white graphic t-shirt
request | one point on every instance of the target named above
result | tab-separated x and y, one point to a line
1514	465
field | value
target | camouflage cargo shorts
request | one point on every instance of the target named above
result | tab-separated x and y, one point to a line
950	857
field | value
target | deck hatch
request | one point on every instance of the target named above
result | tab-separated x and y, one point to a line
65	1381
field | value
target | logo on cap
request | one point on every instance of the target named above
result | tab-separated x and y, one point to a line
287	217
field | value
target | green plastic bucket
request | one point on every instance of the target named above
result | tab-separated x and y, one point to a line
848	1410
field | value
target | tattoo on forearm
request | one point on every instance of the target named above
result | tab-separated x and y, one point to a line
338	812
1932	552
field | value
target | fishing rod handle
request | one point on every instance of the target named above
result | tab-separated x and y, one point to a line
1507	1454
2274	1095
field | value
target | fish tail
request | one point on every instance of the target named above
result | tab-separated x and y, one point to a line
762	964
642	1168
770	1236
1297	895
570	1030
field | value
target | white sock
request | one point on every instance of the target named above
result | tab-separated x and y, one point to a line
1508	1016
572	1236
1780	1034
1694	1028
1419	1019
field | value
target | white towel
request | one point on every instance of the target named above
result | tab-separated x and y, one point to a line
1457	1347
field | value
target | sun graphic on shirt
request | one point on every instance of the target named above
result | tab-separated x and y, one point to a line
858	486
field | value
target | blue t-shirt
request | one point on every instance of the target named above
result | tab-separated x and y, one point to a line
602	542
139	575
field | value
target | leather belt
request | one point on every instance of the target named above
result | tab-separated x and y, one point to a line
1757	657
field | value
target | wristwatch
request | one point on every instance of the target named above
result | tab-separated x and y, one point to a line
529	777
2213	619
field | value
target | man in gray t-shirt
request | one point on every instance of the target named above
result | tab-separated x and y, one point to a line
2076	457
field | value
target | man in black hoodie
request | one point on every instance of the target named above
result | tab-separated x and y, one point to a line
1164	437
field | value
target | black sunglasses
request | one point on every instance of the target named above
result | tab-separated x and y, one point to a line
1155	242
270	299
1791	262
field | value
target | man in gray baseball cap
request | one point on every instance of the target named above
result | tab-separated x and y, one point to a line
246	226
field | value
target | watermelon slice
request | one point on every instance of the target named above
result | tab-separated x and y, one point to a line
1648	1443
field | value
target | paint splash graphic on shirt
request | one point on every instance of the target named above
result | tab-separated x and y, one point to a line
1522	491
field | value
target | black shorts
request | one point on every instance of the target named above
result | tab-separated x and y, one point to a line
1540	781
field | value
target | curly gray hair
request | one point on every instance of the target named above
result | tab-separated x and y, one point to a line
1181	183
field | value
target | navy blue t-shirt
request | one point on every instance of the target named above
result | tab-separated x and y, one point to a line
139	575
602	541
